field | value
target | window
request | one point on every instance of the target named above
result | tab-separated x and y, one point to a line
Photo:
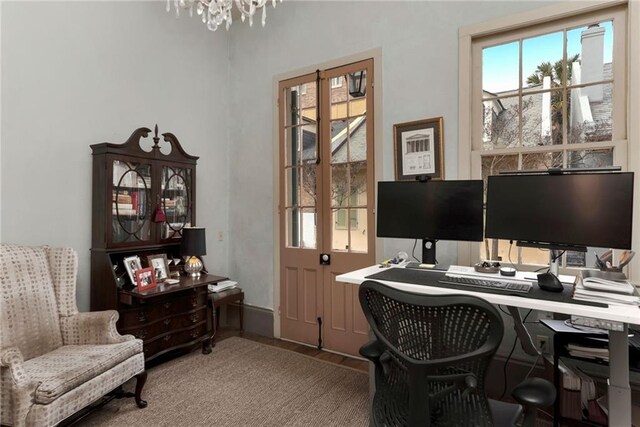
303	89
336	82
547	96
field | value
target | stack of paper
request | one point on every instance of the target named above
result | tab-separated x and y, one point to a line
222	286
588	352
605	287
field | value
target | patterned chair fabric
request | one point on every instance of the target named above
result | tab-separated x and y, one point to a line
54	360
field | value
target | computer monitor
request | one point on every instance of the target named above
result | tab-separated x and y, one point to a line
431	211
561	211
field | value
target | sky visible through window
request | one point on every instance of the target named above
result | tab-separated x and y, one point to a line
500	63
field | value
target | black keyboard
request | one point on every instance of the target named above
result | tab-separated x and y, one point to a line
494	285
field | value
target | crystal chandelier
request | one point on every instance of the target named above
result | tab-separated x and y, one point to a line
215	12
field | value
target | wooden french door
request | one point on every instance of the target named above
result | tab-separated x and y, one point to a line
326	204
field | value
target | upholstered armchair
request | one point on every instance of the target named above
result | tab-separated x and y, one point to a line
54	360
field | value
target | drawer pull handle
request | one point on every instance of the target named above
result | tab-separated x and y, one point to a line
167	321
167	338
194	318
194	334
167	305
194	302
141	334
142	316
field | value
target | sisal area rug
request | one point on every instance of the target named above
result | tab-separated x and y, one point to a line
244	383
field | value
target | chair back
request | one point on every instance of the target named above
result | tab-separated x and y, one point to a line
430	340
29	314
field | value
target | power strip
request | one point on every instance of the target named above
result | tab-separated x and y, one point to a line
590	322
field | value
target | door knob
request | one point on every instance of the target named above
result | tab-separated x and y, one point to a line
325	259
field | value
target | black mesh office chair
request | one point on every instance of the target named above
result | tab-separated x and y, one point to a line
431	355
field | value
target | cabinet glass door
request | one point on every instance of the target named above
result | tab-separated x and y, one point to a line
130	211
176	201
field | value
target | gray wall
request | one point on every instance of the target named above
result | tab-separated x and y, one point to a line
419	42
79	73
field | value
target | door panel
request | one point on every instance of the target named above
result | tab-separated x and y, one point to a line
326	205
301	276
347	227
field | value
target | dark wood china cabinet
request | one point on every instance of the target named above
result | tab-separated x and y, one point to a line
143	196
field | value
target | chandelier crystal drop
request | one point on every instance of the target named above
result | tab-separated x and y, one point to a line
216	12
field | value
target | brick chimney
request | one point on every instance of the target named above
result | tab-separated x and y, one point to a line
592	58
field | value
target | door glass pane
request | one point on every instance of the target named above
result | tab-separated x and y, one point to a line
131	206
292	146
357	139
292	106
292	186
339	95
309	190
501	120
293	227
358	182
339	229
339	131
500	68
358	230
339	185
590	120
309	223
176	201
309	138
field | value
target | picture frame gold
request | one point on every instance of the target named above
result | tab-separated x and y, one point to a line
418	149
160	265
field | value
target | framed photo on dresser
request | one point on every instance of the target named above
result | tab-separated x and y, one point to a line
132	264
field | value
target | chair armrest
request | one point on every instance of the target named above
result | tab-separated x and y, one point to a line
95	327
11	358
22	385
372	350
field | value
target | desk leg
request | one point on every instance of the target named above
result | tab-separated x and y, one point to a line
619	390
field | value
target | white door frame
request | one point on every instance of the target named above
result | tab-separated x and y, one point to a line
376	54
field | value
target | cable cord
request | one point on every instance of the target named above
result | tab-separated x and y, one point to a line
506	362
413	251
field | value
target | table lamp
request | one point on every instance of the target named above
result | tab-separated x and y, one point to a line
193	245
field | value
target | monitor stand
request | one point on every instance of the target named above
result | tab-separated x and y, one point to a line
429	251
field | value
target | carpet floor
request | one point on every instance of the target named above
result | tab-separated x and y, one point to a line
244	383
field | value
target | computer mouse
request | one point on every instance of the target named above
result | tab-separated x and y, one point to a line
549	282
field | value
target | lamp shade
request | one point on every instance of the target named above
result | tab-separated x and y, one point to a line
193	242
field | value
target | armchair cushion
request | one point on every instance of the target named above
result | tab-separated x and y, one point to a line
70	366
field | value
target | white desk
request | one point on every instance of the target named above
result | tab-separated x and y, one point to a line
619	389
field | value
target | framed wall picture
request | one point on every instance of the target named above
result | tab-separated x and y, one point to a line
145	278
160	265
132	264
418	149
